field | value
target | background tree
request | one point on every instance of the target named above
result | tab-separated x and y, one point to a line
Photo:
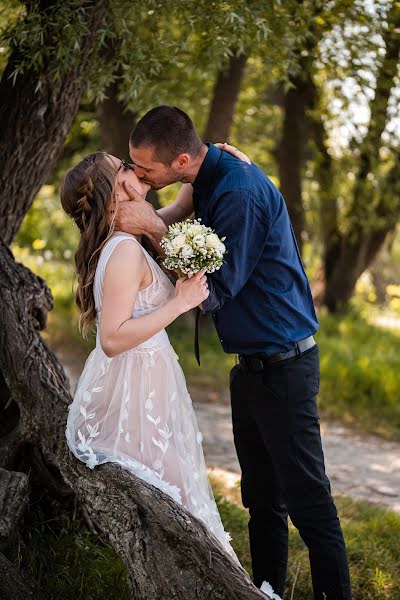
225	94
375	202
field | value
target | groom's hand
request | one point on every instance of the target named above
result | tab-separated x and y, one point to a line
138	217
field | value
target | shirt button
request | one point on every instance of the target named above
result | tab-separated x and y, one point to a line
222	340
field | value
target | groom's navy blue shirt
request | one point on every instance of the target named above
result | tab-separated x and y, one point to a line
260	299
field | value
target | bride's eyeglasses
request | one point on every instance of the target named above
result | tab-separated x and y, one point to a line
125	166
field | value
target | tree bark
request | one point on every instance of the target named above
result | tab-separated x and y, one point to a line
375	205
35	122
225	95
168	553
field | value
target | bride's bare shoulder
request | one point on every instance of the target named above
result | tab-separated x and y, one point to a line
127	255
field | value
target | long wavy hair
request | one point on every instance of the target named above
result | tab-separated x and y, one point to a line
87	194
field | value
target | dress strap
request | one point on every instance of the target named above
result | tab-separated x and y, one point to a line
106	252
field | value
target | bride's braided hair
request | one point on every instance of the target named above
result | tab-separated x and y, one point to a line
87	193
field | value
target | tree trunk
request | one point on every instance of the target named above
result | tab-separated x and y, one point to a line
35	122
291	150
328	209
358	249
225	95
374	210
116	124
168	553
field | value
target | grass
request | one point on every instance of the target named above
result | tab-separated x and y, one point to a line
70	563
360	374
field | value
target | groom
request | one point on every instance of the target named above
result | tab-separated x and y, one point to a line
263	311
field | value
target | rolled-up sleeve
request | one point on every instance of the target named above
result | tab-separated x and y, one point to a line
243	219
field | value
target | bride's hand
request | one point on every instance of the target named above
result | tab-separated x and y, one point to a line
190	292
234	151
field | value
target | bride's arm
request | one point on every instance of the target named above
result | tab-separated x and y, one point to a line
124	273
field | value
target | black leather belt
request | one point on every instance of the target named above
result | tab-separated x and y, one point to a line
257	363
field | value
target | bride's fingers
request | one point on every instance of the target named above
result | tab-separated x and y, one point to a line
200	273
234	151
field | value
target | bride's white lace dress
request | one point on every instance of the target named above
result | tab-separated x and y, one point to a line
135	410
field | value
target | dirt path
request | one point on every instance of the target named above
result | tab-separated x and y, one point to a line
362	467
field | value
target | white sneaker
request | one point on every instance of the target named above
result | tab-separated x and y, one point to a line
267	589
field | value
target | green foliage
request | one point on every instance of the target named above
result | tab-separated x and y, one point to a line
83	138
142	42
46	231
50	36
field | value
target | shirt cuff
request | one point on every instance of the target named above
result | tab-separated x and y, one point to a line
211	304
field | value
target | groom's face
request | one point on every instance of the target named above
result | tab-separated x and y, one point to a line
153	172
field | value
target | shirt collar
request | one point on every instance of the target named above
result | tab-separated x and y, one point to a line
204	177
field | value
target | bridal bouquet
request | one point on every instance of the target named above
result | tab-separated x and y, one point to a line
190	246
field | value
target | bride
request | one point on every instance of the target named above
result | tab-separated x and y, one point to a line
131	406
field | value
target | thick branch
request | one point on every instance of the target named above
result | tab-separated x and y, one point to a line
225	95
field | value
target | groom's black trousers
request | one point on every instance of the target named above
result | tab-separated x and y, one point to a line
277	438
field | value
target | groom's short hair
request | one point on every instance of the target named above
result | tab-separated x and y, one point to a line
168	131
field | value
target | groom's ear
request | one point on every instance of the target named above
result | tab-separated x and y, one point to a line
181	161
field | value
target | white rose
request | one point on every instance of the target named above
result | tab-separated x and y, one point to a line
186	251
212	241
196	229
199	240
179	241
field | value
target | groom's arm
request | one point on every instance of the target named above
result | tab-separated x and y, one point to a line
181	208
244	219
